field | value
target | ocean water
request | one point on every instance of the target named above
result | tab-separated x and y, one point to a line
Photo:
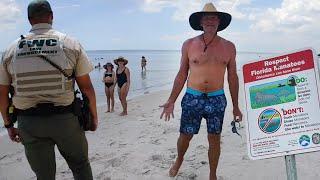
162	67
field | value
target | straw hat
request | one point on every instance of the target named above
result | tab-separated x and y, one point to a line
209	8
108	64
120	58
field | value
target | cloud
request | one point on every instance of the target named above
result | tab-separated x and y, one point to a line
234	7
179	37
285	25
10	14
154	6
183	8
292	16
68	6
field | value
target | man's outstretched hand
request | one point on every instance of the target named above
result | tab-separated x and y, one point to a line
167	111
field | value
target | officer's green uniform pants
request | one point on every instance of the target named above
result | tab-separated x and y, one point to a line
39	136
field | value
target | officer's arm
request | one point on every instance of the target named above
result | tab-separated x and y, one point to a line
4	103
85	85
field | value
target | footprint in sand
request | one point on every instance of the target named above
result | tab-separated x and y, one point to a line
172	150
186	176
112	143
201	148
142	119
156	141
156	157
190	158
3	157
204	162
146	172
155	110
115	162
142	136
161	161
103	175
122	145
172	156
169	131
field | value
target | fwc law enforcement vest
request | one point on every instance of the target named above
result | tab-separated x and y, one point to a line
34	76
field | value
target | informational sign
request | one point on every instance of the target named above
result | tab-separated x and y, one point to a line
282	105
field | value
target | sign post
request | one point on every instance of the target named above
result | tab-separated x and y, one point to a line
282	97
291	167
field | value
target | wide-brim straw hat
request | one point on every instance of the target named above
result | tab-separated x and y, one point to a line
108	64
120	59
209	8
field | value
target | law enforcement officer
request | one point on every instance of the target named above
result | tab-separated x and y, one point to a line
43	95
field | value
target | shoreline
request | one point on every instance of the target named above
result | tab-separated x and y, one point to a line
141	146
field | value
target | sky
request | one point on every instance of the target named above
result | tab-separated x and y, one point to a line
256	26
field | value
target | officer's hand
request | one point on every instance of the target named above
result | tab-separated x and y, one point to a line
14	134
167	110
94	125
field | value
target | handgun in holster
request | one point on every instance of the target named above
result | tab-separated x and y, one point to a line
77	104
11	109
12	114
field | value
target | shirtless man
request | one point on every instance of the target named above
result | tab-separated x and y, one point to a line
206	57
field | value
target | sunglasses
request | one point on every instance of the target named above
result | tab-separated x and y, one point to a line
234	128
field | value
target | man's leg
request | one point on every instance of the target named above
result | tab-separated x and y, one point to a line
182	146
40	155
213	154
189	125
73	146
214	127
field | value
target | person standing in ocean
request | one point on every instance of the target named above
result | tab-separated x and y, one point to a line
205	59
143	63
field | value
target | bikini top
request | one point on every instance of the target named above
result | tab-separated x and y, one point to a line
107	74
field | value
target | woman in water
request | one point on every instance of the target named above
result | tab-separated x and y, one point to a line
109	79
123	81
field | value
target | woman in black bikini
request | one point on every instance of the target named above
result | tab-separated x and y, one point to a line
123	80
109	79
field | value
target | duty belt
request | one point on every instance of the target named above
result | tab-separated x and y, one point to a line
45	109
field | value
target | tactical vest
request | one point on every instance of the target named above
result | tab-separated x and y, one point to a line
34	76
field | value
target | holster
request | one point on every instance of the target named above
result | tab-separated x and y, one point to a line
82	110
77	104
12	113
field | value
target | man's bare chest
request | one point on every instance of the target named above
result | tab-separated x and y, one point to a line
208	59
213	55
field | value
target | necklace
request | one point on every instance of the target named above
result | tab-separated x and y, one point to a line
206	45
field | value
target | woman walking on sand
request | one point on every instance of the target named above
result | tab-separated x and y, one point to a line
109	79
123	81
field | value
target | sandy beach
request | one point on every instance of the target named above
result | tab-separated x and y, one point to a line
141	146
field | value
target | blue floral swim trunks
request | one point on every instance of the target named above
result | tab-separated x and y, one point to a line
197	105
